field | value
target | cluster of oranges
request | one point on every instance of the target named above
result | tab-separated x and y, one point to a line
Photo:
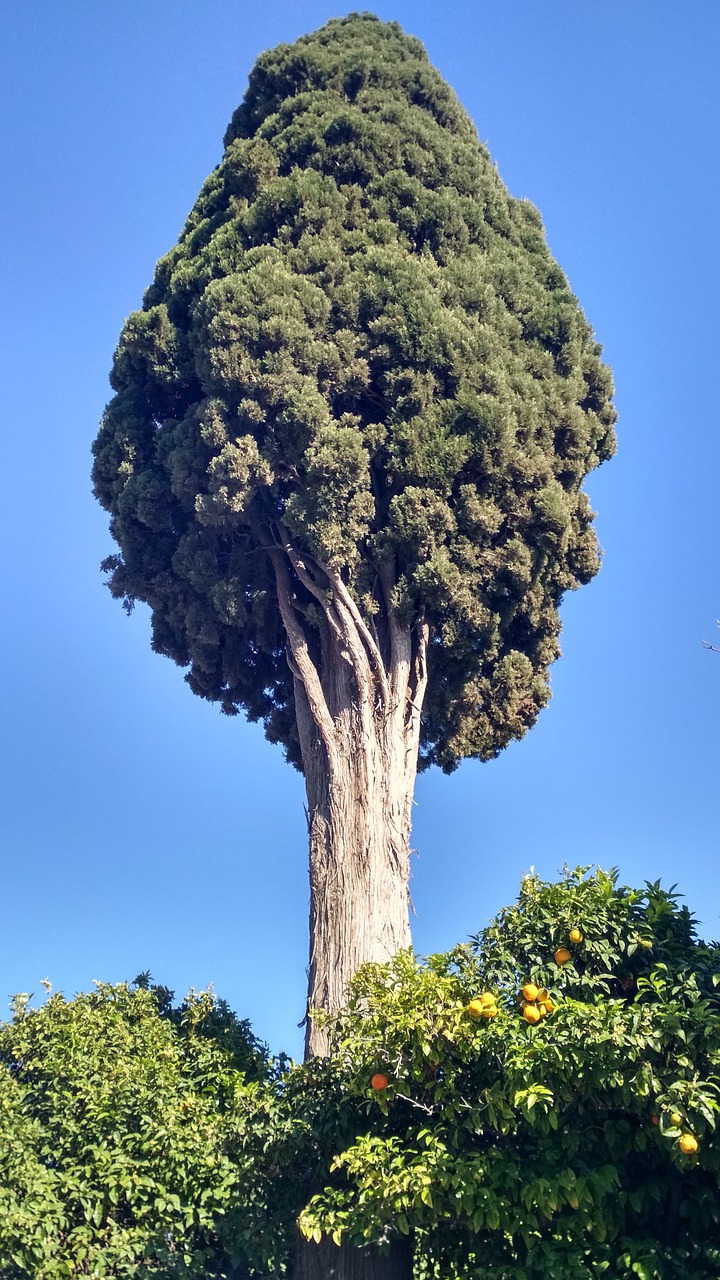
536	1003
484	1006
536	1000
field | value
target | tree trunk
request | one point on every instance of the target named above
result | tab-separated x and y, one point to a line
358	699
328	1261
359	826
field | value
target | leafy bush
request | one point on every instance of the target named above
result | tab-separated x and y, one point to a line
115	1115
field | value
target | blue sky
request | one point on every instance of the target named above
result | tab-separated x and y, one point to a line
138	827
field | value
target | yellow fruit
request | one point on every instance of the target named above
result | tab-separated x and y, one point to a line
575	935
646	944
687	1144
475	1008
489	1011
531	1013
561	956
487	997
545	1006
675	1119
530	991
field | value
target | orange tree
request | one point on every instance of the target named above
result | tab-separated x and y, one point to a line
578	1144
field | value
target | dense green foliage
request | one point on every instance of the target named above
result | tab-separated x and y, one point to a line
132	1146
523	1151
116	1118
360	339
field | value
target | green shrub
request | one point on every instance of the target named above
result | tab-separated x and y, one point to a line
115	1116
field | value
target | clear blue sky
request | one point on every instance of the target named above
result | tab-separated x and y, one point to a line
139	828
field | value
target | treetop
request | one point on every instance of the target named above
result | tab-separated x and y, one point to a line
361	350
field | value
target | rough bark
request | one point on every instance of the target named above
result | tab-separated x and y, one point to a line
358	700
359	822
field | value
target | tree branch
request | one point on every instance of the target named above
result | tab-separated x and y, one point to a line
400	646
306	578
298	655
350	608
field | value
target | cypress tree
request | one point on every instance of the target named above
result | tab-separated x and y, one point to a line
345	452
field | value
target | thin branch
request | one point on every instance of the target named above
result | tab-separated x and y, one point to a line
307	580
400	646
712	647
299	659
420	669
373	650
339	621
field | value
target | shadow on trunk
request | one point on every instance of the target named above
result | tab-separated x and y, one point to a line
328	1261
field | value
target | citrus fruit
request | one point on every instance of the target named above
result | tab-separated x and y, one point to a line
688	1144
531	1013
575	935
561	956
489	1011
654	1119
379	1081
545	1006
475	1008
675	1119
530	991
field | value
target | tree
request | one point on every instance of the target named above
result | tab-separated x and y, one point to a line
345	453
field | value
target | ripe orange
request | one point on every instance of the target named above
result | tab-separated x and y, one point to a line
561	956
489	1011
475	1008
379	1081
531	1014
530	991
675	1119
688	1144
575	935
545	1006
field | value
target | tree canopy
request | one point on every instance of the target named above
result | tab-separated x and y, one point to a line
360	340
